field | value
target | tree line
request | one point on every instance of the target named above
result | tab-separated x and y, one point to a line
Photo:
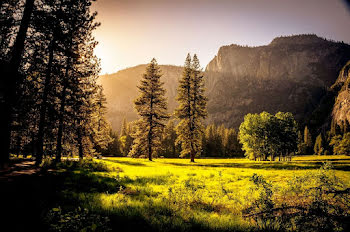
217	141
51	104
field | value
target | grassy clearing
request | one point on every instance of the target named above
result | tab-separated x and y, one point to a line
125	194
176	195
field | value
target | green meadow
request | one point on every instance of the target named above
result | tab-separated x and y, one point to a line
209	195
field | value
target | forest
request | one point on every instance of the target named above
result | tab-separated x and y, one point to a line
63	167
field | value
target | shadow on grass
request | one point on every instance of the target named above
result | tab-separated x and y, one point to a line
268	165
86	182
31	198
126	162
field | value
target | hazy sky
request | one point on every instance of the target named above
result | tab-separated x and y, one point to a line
135	31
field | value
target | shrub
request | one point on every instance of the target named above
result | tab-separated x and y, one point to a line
262	210
314	202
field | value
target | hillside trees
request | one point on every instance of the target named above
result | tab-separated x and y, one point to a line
151	106
264	135
192	108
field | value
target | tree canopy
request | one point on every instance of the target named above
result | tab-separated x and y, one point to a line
265	135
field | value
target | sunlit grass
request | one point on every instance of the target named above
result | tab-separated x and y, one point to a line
174	194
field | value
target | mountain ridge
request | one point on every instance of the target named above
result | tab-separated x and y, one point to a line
292	73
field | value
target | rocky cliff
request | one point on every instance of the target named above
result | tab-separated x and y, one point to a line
341	109
290	74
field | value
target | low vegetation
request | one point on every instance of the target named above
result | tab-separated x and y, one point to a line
210	195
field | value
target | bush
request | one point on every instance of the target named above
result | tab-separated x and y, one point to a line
262	210
316	201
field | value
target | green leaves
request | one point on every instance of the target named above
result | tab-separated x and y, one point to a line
264	135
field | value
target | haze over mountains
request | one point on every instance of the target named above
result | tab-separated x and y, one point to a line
290	74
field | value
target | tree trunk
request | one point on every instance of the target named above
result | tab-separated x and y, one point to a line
11	78
5	135
80	143
150	132
60	125
193	153
61	114
192	156
150	153
43	108
18	46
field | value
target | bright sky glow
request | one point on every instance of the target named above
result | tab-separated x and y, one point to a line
135	31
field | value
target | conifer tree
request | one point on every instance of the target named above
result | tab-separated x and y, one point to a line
231	144
307	140
101	128
318	148
51	73
169	148
11	78
192	108
113	148
301	144
123	131
125	138
151	106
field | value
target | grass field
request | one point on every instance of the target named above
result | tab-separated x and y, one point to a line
176	195
125	194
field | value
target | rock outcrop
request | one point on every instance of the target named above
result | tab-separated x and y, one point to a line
341	109
290	74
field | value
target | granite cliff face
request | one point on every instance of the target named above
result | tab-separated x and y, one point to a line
290	74
341	109
121	89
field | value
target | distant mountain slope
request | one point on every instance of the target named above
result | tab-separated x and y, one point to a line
290	74
121	89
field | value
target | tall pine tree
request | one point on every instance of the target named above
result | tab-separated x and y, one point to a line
192	108
151	106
